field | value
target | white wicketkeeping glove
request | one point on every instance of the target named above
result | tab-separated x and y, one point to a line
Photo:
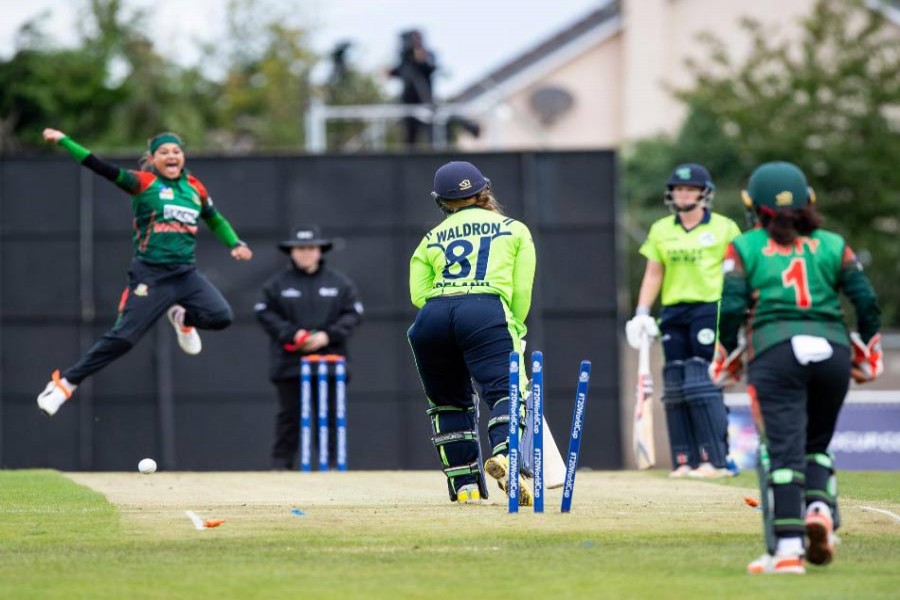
639	326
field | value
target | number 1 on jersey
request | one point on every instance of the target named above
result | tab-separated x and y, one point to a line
795	276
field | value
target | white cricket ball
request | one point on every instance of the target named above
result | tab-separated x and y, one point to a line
147	466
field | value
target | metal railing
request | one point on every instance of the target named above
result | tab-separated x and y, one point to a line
377	118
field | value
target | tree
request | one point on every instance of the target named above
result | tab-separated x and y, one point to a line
115	88
828	101
266	84
63	88
156	93
42	85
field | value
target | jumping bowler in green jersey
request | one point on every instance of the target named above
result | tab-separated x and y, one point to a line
471	277
782	282
684	259
167	203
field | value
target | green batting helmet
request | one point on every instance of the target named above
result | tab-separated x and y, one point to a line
777	185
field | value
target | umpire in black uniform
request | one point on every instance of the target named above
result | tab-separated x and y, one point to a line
306	308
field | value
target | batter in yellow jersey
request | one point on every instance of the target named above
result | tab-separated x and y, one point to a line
684	260
471	277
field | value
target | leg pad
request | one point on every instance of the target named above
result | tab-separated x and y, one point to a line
678	418
456	440
709	419
821	483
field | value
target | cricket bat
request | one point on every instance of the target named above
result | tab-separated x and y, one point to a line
644	448
554	466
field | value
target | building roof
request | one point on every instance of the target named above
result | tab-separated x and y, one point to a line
604	17
581	28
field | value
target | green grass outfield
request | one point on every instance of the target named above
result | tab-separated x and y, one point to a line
395	535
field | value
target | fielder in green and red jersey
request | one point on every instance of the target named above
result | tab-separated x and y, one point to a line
168	202
782	282
471	277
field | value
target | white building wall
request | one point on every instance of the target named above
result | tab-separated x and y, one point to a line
623	84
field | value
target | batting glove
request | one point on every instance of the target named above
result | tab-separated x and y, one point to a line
868	359
726	369
639	326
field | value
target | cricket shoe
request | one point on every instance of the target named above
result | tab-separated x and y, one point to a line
498	468
779	564
188	338
469	494
55	393
821	540
681	471
707	471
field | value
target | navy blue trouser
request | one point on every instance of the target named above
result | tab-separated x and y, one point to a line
152	289
696	416
689	330
455	340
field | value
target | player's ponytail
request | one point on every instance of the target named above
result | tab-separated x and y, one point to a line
785	225
146	161
484	199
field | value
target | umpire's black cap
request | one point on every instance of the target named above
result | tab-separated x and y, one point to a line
306	236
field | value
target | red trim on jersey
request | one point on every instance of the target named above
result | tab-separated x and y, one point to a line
201	189
731	253
145	179
143	245
849	257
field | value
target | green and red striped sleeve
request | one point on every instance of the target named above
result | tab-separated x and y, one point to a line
218	224
858	289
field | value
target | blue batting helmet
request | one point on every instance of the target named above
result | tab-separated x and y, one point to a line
457	180
693	175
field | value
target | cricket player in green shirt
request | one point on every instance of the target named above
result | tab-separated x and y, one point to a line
168	202
782	282
471	277
684	259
